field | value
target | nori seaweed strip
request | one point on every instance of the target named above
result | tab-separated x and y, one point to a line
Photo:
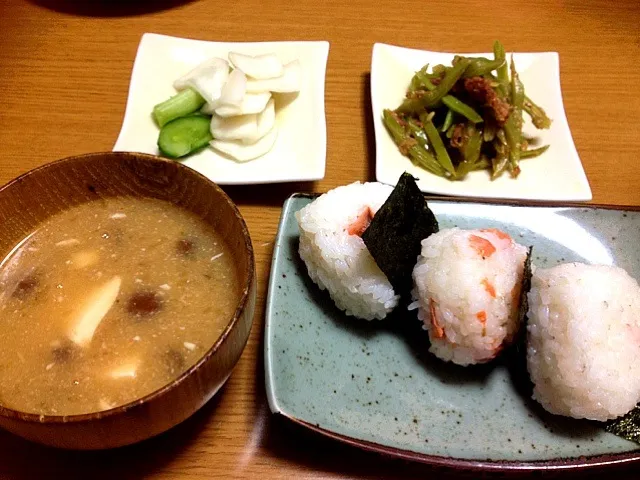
394	235
626	426
523	303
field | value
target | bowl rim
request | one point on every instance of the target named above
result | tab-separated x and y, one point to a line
246	288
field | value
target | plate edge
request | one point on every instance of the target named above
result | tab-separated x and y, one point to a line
400	47
584	195
161	36
508	202
321	168
126	117
373	68
570	464
268	367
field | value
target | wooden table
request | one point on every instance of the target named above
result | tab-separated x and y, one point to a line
64	74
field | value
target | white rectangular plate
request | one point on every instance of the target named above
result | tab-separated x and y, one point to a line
300	150
555	175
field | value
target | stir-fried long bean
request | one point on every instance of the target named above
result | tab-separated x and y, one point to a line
429	99
535	152
483	163
482	66
513	127
448	121
500	161
438	145
467	117
473	145
450	101
409	146
502	70
537	114
462	108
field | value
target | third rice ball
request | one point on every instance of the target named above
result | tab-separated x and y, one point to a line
583	347
467	289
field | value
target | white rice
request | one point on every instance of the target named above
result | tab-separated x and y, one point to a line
583	350
473	297
340	262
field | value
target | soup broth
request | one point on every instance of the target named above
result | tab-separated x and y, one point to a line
109	301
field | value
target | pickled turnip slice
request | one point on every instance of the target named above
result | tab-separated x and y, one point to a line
288	82
207	79
251	103
259	67
244	152
93	310
265	121
246	128
234	128
234	89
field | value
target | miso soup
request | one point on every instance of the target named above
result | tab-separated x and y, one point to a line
109	301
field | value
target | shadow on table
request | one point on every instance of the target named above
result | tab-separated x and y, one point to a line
109	8
20	459
272	195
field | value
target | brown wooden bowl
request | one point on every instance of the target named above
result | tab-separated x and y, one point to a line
31	198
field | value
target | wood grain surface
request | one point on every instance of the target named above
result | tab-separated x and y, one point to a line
64	73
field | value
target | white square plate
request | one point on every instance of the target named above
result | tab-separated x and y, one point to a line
555	175
300	150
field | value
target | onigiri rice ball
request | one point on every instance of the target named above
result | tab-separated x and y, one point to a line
336	257
583	341
467	287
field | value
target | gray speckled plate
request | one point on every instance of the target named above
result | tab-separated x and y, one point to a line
374	384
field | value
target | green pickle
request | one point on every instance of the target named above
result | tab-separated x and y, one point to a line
184	135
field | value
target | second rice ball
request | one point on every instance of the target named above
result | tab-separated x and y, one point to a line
467	290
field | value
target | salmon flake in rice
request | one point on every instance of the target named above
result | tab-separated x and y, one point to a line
466	289
336	258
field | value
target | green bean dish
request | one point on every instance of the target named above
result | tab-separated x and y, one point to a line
465	117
